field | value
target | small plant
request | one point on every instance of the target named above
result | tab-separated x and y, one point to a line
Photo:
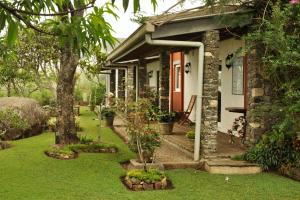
190	135
165	116
108	112
52	124
85	140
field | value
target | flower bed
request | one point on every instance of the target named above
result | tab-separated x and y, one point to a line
61	152
94	148
86	146
139	180
4	145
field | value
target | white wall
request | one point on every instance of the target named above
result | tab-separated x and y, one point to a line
190	81
227	98
153	66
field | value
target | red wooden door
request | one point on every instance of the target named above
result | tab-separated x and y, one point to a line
177	81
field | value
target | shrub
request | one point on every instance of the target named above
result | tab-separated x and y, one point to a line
29	111
190	135
274	150
78	95
149	176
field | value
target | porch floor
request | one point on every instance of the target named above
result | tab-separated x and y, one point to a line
224	147
177	148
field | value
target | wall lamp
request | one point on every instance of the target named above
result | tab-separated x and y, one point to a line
150	74
187	67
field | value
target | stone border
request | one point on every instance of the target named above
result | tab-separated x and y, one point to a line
60	156
290	172
164	184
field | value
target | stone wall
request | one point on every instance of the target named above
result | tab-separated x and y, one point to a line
143	82
259	93
209	128
164	87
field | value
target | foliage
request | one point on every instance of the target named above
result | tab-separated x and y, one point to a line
108	112
165	116
281	61
85	139
92	147
11	119
97	95
274	150
44	97
149	140
150	176
78	95
190	135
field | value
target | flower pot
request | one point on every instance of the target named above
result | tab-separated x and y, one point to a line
109	121
166	128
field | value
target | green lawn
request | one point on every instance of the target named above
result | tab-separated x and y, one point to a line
26	173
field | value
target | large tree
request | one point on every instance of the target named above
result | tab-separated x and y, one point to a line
79	25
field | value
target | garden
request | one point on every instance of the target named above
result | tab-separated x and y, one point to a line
57	139
27	173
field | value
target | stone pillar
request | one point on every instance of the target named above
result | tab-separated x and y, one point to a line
112	81
121	84
259	93
130	83
209	128
142	81
164	85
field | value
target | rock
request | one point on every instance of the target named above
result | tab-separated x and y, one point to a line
164	183
137	187
158	185
148	186
128	182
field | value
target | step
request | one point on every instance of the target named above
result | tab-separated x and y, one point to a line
228	166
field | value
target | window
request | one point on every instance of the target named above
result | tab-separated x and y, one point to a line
238	76
177	70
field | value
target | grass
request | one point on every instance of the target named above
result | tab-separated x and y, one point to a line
26	173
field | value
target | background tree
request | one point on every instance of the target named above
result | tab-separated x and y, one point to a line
77	32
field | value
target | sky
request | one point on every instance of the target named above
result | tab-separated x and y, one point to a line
123	27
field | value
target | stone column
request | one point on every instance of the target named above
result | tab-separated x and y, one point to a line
112	81
121	84
142	70
130	83
209	128
164	85
259	93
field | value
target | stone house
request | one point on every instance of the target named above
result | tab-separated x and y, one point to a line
192	53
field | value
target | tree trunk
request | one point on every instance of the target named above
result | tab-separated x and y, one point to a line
66	130
9	88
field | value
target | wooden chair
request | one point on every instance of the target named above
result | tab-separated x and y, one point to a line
185	115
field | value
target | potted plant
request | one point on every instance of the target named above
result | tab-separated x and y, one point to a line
108	114
166	122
